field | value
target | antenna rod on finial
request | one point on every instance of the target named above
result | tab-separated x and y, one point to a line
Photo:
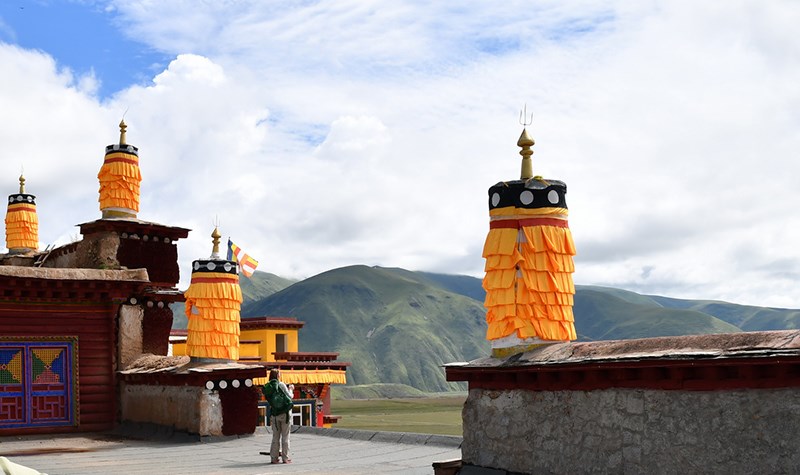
525	142
524	113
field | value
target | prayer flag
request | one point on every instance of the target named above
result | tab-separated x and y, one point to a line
246	263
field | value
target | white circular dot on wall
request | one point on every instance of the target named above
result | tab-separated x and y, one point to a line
495	199
223	384
248	382
209	385
553	197
236	383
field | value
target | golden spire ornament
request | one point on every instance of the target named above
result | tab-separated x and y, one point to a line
122	128
120	179
526	142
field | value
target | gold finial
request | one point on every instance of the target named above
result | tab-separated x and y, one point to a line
525	142
215	239
122	127
21	184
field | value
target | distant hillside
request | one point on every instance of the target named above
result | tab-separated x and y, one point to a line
605	313
746	317
392	324
399	327
609	315
461	284
261	285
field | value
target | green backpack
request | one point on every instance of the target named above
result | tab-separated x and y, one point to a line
279	402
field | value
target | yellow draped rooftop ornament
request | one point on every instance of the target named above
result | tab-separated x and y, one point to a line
213	301
120	179
528	252
22	223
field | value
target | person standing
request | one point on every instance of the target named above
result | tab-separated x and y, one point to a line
280	403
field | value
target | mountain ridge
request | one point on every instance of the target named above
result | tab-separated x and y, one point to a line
398	326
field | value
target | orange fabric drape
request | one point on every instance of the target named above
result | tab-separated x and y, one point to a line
120	178
528	280
213	331
22	226
308	376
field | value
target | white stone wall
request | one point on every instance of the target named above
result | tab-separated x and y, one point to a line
633	431
131	318
193	409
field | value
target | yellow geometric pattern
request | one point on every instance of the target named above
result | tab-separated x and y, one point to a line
11	371
47	355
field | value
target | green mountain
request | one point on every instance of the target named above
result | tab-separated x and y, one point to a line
394	325
746	317
605	313
460	284
261	285
399	327
612	314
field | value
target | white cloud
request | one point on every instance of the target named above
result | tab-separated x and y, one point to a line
333	133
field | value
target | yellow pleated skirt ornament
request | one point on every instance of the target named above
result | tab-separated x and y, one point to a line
213	301
22	223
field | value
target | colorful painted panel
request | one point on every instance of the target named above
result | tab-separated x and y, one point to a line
12	403
37	383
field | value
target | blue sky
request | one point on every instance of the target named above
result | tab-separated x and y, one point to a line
85	37
328	133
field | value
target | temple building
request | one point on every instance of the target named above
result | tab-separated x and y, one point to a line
273	342
79	323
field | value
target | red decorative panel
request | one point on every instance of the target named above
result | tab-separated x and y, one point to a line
37	382
12	407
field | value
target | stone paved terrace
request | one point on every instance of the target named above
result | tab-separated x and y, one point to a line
339	452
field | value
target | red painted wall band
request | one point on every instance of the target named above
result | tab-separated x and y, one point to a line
521	223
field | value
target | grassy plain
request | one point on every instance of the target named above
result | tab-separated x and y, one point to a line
431	415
